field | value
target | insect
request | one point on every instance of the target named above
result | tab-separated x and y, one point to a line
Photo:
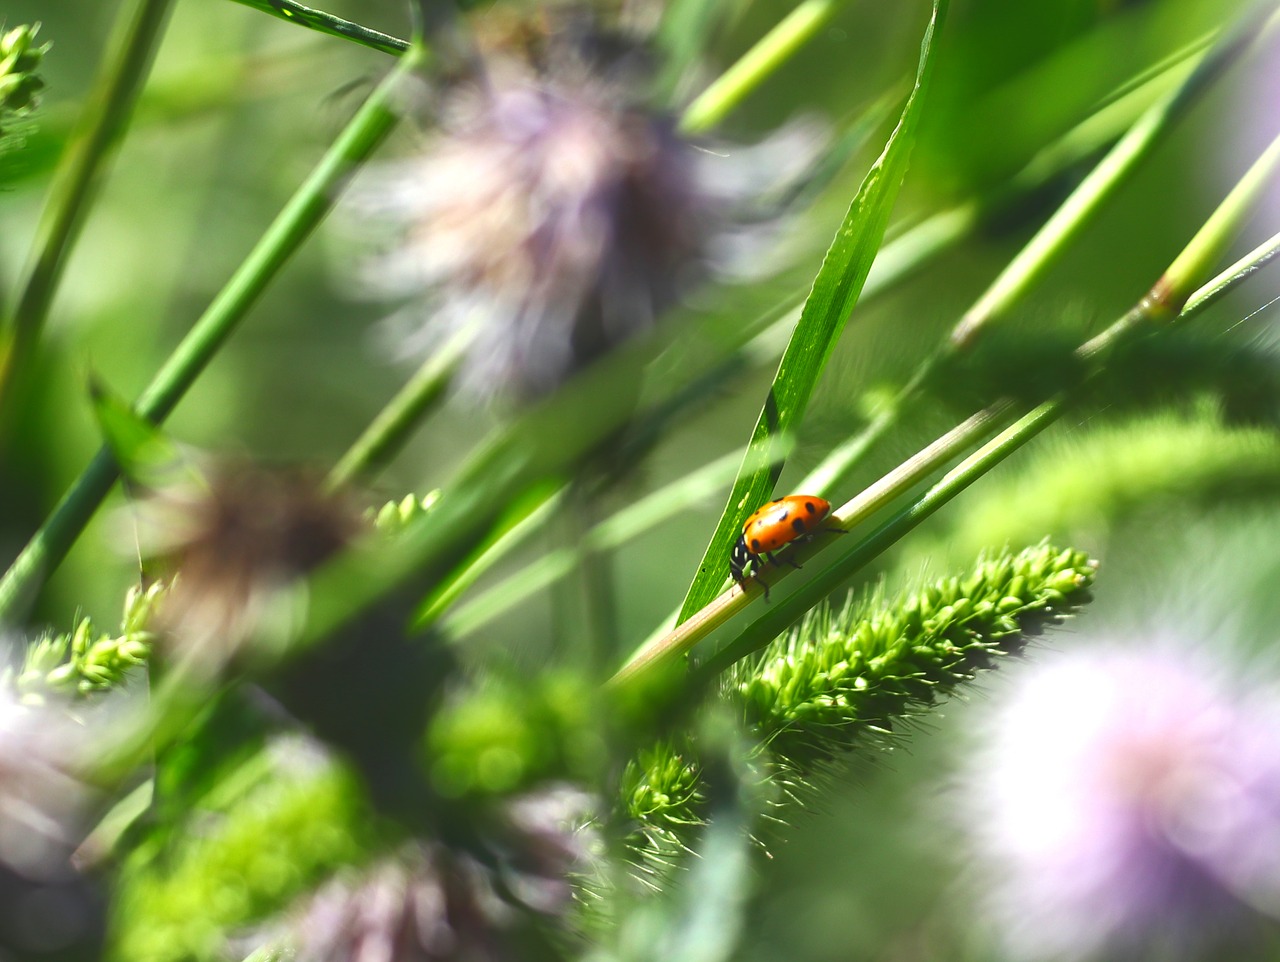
773	526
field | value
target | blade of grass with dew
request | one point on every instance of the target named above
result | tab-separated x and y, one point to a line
835	291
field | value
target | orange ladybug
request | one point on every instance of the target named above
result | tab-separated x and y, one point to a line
774	525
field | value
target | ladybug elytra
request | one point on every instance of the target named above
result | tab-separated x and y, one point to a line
773	526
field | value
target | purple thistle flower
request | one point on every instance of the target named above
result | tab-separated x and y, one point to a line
1127	800
551	216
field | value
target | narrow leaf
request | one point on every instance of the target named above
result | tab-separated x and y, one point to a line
835	291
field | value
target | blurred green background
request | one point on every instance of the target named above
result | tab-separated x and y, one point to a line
239	106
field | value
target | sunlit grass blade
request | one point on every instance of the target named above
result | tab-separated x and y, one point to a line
774	49
835	291
322	22
1152	313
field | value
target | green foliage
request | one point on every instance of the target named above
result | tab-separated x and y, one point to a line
1073	486
839	676
503	737
233	836
662	795
74	664
236	867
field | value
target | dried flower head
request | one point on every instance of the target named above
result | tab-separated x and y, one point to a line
552	216
431	902
1127	800
233	543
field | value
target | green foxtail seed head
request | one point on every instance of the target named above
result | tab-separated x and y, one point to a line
840	675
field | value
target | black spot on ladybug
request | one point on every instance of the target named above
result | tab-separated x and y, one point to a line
809	506
755	545
799	526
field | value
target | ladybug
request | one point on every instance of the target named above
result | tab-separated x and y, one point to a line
776	524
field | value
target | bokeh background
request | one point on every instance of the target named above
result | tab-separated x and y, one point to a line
239	106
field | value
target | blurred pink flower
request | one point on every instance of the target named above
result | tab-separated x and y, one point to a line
429	901
552	215
1127	799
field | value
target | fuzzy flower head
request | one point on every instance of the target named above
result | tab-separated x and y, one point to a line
1127	800
234	541
551	216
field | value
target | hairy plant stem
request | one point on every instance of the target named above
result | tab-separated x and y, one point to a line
308	206
105	118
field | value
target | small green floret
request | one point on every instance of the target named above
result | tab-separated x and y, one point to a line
75	664
394	516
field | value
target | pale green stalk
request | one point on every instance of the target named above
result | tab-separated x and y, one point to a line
1030	264
388	432
613	532
773	49
1051	241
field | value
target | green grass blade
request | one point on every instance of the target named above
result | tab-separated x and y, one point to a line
324	22
834	293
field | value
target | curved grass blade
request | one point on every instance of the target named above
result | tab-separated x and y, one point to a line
834	293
